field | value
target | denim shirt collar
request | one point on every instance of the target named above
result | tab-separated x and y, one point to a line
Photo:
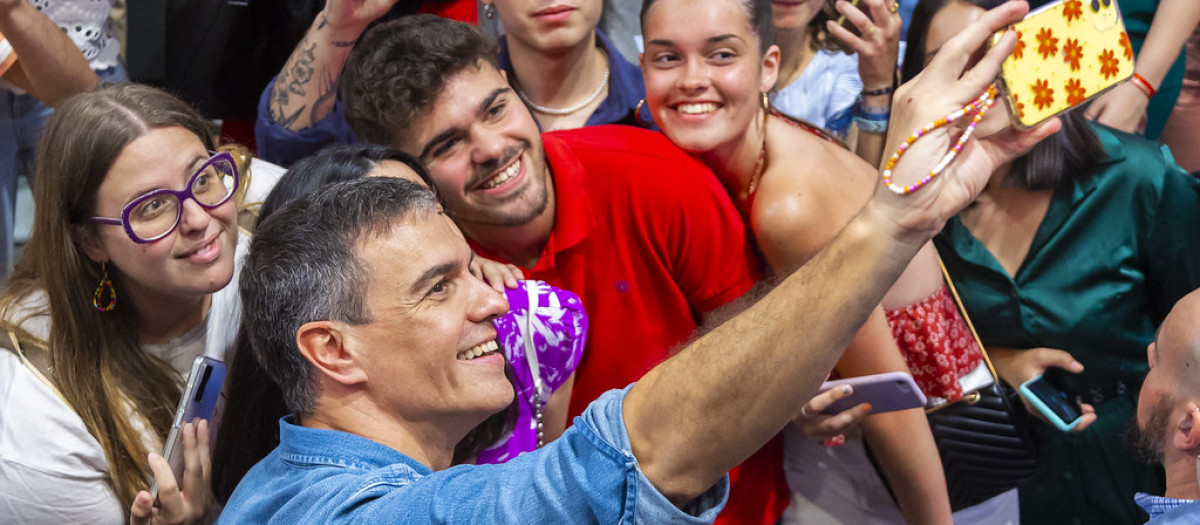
1156	506
316	446
625	84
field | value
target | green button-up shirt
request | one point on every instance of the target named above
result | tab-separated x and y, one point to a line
1115	251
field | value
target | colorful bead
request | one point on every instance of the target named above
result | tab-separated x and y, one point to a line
979	106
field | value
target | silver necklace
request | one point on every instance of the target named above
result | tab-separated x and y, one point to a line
565	111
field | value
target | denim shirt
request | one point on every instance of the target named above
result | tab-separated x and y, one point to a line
283	146
1166	511
589	475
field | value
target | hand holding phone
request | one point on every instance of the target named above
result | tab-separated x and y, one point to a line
184	503
885	393
814	423
200	400
1067	52
1053	404
831	11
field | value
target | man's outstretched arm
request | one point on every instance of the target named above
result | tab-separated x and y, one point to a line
700	413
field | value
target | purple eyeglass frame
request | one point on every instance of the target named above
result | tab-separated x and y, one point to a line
181	196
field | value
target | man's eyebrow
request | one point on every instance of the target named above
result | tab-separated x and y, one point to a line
450	132
432	274
721	38
709	41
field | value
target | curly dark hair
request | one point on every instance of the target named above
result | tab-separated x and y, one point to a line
397	70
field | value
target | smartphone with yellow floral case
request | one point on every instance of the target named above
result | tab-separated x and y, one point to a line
1067	52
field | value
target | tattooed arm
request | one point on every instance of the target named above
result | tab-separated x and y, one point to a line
307	86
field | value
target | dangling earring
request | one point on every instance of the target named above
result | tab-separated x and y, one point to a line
637	114
105	283
489	11
766	102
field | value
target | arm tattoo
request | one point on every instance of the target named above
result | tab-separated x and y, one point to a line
324	22
342	43
290	119
292	80
279	100
302	70
326	94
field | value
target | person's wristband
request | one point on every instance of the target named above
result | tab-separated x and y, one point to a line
883	91
870	125
879	92
1143	85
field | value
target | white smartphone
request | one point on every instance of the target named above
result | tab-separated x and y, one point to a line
200	400
885	392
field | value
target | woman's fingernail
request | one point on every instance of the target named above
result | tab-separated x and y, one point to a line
846	389
868	407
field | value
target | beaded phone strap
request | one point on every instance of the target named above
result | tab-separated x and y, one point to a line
979	107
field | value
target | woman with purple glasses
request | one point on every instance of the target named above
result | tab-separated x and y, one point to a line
123	282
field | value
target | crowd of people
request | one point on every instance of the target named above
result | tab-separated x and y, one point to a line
505	270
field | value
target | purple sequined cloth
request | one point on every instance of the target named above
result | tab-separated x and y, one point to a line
559	331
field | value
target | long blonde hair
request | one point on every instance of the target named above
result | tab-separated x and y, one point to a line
97	363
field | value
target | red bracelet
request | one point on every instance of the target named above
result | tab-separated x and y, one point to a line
1143	85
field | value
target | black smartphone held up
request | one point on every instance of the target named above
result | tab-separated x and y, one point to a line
200	400
1062	411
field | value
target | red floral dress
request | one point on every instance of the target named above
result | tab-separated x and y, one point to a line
936	344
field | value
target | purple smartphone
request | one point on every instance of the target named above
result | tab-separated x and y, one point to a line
885	392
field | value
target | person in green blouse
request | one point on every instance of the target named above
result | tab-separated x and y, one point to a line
1068	262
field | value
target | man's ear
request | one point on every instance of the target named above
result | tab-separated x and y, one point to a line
324	344
89	243
1187	434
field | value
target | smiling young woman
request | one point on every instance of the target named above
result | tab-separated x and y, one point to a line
123	282
705	86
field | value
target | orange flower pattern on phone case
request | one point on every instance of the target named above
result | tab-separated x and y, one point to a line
1077	49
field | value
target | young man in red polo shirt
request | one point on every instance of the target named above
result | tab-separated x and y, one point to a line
643	233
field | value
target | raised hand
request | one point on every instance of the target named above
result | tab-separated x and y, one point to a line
353	15
879	43
946	85
306	87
